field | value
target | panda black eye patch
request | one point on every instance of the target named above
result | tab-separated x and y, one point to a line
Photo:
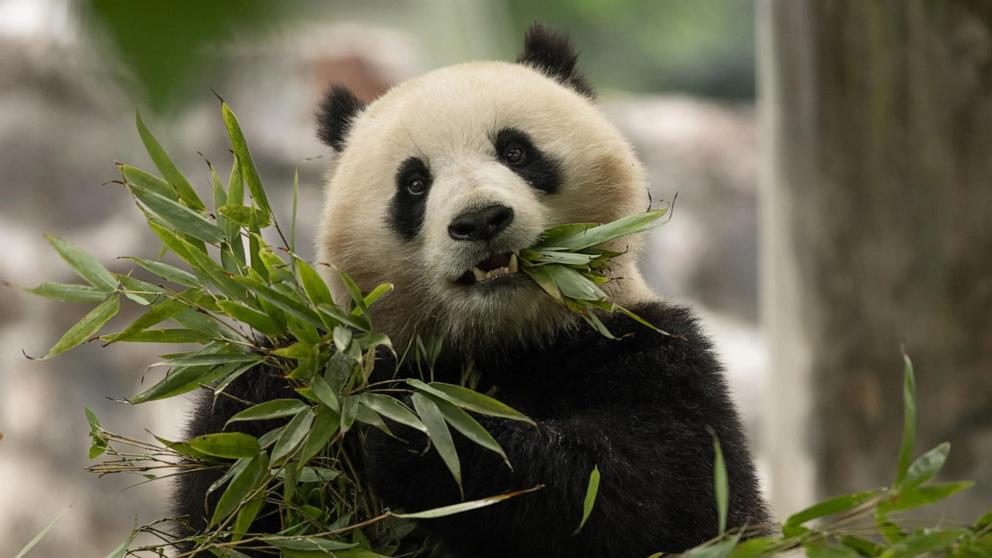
515	149
406	210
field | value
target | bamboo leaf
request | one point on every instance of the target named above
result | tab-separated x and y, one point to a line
156	314
470	400
292	436
142	179
592	236
167	272
465	506
257	320
231	445
322	546
392	408
87	327
909	420
720	488
85	265
248	170
69	292
590	500
470	428
922	496
440	436
181	218
832	506
274	408
40	535
926	466
247	480
313	284
168	169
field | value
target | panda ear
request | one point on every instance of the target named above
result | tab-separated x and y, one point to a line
552	53
335	115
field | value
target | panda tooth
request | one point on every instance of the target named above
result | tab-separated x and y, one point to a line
513	264
479	274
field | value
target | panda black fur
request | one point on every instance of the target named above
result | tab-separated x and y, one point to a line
467	164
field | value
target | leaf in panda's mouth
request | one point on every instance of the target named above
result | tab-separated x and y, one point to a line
491	268
568	266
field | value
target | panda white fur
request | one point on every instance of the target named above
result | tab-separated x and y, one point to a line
438	184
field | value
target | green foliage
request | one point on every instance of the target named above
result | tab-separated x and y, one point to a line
244	306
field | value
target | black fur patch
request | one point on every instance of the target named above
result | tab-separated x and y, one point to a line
406	210
540	170
553	54
637	408
336	113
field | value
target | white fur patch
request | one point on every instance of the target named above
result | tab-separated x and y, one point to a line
449	118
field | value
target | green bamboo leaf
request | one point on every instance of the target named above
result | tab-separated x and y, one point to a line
157	313
313	284
245	216
922	496
324	393
437	431
297	351
144	180
246	515
926	466
292	436
235	197
720	488
325	426
121	550
342	338
257	320
174	335
87	327
210	359
249	479
925	543
181	380
470	400
274	408
391	408
367	416
593	236
220	197
377	293
470	428
168	169
465	506
85	265
563	258
831	506
41	534
720	549
862	546
321	546
69	292
201	263
573	284
355	292
243	154
231	445
543	278
140	292
285	303
167	272
590	500
338	315
909	420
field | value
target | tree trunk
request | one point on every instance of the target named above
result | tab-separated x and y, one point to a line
877	232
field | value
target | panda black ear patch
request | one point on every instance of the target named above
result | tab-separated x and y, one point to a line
553	54
335	115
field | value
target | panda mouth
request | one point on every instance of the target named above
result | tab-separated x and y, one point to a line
491	268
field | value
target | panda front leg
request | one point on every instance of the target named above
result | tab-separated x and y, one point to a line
655	492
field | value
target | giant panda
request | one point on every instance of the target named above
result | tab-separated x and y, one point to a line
438	185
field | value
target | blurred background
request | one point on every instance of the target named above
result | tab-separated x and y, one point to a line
833	164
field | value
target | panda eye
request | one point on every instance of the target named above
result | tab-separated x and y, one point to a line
416	186
514	154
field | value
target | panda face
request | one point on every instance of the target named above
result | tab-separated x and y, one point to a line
441	182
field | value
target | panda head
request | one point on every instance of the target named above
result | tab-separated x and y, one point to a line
444	179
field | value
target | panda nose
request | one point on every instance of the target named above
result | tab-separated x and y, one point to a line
481	224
